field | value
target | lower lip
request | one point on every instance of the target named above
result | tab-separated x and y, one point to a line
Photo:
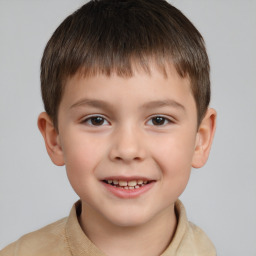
128	193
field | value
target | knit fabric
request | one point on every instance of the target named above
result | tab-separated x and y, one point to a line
66	238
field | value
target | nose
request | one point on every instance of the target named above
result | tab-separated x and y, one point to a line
127	145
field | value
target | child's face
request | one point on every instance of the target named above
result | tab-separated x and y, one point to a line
128	129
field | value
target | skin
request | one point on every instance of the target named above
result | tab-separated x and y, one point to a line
128	142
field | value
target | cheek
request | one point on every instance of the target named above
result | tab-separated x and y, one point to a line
174	157
81	156
175	170
81	151
176	151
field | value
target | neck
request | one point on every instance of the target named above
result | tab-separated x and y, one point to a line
150	238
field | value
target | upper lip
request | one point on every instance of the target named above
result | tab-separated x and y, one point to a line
127	178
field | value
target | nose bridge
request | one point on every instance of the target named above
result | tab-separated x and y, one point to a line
127	144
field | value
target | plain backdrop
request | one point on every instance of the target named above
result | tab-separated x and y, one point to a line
220	197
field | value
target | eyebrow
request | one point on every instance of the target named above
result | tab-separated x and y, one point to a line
92	103
152	104
163	103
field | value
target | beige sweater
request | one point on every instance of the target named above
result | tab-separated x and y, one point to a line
66	238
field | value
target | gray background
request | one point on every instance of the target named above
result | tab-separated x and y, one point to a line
220	198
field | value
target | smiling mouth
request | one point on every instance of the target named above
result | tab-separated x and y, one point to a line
132	184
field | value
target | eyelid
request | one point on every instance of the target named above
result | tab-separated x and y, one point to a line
167	118
88	117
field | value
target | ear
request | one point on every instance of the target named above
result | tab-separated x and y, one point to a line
204	138
51	139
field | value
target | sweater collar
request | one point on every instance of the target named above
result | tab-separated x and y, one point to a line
80	244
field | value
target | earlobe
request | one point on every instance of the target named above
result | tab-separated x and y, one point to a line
204	139
51	139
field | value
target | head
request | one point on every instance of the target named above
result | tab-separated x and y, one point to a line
121	36
126	89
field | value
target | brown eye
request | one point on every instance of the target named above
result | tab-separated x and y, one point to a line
96	121
158	120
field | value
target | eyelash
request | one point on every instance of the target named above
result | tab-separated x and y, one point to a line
162	120
90	119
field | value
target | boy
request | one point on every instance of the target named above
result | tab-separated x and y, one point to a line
126	90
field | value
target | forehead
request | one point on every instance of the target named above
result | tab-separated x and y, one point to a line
152	69
142	86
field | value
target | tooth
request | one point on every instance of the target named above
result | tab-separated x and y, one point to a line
109	181
137	186
132	183
126	188
145	182
131	187
122	183
115	182
140	182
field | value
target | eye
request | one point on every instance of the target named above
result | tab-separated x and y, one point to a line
96	121
159	121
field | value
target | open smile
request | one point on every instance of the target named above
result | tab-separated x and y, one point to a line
128	188
131	184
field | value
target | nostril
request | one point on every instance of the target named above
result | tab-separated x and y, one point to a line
118	158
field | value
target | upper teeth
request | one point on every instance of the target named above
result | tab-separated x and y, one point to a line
131	183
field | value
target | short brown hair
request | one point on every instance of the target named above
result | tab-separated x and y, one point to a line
114	36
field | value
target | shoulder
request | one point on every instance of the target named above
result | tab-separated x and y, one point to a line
189	239
199	240
49	240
